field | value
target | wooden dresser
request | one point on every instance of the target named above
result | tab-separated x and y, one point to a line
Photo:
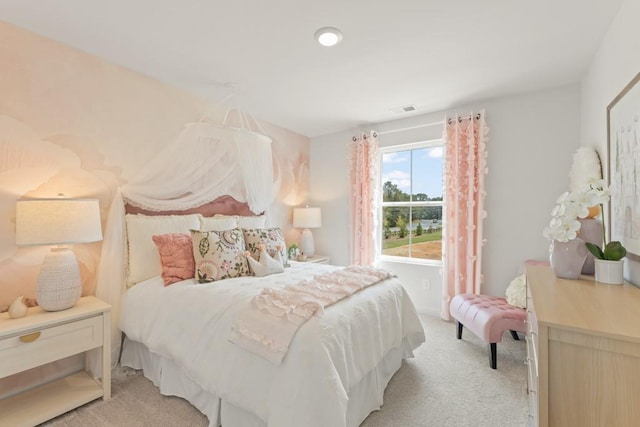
583	351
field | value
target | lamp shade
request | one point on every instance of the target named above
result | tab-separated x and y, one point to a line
307	217
57	221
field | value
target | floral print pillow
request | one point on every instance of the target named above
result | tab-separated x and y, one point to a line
219	255
271	238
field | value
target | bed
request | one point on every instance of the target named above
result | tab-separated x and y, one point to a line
333	374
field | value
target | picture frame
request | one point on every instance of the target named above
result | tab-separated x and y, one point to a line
623	173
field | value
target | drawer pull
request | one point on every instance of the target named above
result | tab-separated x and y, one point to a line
30	337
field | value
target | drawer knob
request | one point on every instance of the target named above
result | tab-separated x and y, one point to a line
30	337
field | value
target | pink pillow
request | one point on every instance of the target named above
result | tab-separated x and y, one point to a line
176	256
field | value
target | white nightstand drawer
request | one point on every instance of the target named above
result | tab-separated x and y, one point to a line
48	336
18	353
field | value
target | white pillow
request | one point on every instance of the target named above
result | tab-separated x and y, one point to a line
257	221
266	265
252	221
144	260
517	292
218	223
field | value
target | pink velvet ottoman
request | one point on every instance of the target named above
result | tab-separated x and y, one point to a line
487	317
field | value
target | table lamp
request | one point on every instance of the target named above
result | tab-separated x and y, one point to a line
307	218
58	222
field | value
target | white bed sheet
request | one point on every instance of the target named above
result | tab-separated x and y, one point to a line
189	324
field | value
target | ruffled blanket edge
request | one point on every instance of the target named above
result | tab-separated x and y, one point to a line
269	323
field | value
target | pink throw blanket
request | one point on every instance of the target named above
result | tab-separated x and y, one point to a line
268	325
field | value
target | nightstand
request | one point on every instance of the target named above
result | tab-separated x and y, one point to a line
318	259
46	336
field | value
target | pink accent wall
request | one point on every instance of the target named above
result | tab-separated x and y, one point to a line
75	124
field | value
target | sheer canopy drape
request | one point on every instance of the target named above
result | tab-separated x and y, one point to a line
204	162
364	178
465	167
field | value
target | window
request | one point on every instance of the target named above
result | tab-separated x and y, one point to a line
411	208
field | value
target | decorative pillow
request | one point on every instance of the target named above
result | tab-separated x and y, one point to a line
176	257
218	223
271	238
219	255
266	265
517	292
144	260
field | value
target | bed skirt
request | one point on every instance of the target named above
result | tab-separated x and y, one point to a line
364	397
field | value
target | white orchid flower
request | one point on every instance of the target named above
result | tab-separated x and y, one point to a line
563	197
596	196
564	224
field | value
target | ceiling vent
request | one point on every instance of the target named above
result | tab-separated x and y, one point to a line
404	109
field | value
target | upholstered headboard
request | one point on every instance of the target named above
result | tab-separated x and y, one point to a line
142	225
225	205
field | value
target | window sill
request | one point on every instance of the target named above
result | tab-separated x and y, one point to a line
413	261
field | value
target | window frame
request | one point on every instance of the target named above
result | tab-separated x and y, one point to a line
431	143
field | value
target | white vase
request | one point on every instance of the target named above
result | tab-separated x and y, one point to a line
567	258
609	272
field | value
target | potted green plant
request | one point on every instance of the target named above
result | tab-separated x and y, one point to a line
609	264
292	252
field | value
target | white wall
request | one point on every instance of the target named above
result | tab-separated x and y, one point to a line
531	142
613	66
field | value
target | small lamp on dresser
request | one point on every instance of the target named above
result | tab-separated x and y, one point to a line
59	222
307	218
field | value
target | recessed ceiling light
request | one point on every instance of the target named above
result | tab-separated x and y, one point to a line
328	36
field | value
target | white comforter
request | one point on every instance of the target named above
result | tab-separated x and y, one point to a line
190	324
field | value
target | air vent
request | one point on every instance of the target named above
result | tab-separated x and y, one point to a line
404	109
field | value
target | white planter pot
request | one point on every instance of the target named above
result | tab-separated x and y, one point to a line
609	272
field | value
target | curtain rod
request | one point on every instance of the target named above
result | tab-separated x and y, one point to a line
467	117
460	118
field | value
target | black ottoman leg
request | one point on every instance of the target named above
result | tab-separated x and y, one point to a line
493	357
515	336
459	325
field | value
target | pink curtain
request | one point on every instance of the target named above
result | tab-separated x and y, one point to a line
465	168
363	159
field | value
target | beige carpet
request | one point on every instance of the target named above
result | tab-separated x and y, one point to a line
448	383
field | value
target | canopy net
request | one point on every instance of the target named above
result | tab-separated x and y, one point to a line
204	162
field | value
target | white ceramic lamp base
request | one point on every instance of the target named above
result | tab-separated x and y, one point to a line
59	286
306	245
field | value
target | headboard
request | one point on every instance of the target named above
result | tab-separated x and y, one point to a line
143	260
225	205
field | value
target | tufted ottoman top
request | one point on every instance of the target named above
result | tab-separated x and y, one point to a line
486	316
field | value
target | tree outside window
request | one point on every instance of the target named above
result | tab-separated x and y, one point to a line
411	207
